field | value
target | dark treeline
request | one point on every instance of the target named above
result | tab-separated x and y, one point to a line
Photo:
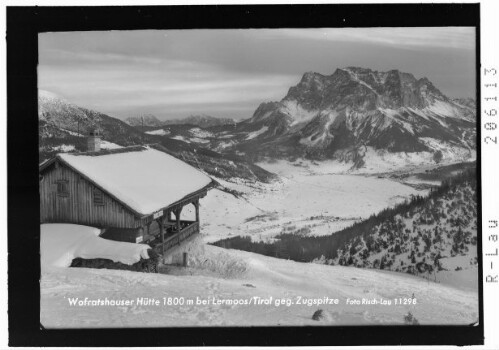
308	248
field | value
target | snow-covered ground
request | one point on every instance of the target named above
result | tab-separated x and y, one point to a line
223	145
160	132
72	133
382	161
305	201
61	243
467	277
200	133
236	288
109	145
376	162
256	133
64	148
198	140
181	138
225	287
71	147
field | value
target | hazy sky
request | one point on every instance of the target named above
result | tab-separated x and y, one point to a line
228	73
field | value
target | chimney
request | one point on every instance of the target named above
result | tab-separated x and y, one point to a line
93	141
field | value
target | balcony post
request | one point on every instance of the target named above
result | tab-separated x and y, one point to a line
196	204
162	233
177	216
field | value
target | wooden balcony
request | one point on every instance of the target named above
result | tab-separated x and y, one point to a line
173	239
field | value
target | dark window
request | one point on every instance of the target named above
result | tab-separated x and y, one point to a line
98	197
63	188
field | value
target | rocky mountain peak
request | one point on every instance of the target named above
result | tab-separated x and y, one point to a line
312	78
263	110
51	106
354	106
363	89
360	70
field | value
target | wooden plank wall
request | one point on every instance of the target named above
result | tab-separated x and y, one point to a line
78	207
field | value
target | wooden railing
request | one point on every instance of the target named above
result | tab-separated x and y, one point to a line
178	238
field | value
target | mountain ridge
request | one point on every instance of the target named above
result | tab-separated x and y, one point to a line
144	120
328	116
201	120
63	126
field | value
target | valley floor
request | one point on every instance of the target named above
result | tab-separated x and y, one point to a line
305	201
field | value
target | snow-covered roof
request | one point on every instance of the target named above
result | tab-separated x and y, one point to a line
143	178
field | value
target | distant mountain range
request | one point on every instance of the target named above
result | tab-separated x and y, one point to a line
144	120
355	115
63	127
203	121
355	110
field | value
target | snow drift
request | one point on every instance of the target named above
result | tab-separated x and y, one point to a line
215	274
61	243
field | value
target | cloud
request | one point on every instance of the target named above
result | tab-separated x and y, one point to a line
122	85
229	72
409	38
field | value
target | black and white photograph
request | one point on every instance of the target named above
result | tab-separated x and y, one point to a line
260	176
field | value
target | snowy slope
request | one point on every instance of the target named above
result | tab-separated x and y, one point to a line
434	237
61	243
160	132
109	145
217	276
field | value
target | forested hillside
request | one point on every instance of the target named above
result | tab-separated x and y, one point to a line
413	237
418	238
